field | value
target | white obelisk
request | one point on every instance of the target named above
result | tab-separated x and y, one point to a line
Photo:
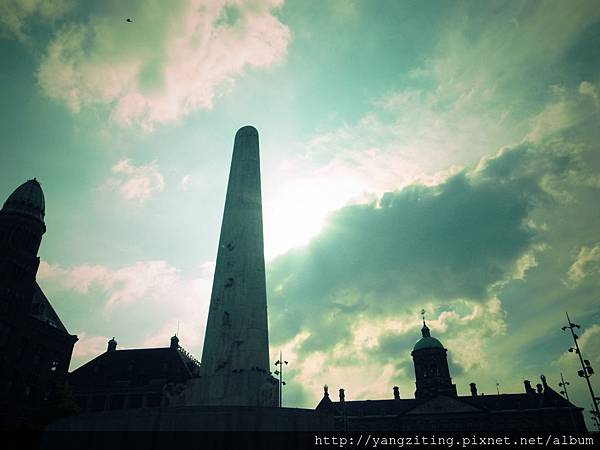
235	358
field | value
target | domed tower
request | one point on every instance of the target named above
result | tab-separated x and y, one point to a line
431	367
21	229
35	346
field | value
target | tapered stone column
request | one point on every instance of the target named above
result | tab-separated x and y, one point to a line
235	358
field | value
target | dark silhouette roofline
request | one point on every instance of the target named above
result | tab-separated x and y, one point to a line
48	314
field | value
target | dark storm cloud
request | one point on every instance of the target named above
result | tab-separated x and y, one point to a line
456	240
394	344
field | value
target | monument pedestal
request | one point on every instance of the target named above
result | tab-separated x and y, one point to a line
252	388
197	419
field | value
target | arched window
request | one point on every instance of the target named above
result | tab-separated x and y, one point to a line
434	370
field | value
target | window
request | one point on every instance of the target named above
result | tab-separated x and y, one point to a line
434	370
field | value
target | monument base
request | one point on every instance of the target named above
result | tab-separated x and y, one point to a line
197	418
234	389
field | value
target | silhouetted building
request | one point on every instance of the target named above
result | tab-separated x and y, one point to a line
132	378
35	347
431	367
437	407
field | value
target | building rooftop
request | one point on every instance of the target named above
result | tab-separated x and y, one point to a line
135	367
43	310
443	404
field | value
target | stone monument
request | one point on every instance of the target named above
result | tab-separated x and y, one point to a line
235	358
235	390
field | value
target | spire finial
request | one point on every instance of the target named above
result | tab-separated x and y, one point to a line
174	342
112	345
425	330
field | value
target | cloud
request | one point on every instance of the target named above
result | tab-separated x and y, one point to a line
141	304
587	263
409	135
17	16
78	279
174	59
378	355
450	247
523	264
453	240
88	346
184	183
468	96
136	182
589	89
423	137
155	281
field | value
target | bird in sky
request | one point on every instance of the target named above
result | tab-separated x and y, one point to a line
129	20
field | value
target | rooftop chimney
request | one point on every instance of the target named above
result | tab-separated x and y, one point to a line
112	345
396	393
342	396
528	388
175	342
473	387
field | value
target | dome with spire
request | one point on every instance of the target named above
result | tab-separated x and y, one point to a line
27	199
427	341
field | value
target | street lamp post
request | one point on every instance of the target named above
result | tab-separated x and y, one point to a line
595	419
563	385
586	369
280	362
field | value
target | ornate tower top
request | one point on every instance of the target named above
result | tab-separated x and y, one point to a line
424	331
426	340
28	200
431	366
21	230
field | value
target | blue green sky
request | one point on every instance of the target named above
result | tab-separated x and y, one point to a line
437	155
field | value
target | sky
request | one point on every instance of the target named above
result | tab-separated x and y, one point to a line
414	155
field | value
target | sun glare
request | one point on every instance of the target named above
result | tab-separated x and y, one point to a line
298	210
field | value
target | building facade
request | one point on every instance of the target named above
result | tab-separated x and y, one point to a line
437	407
132	378
35	346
